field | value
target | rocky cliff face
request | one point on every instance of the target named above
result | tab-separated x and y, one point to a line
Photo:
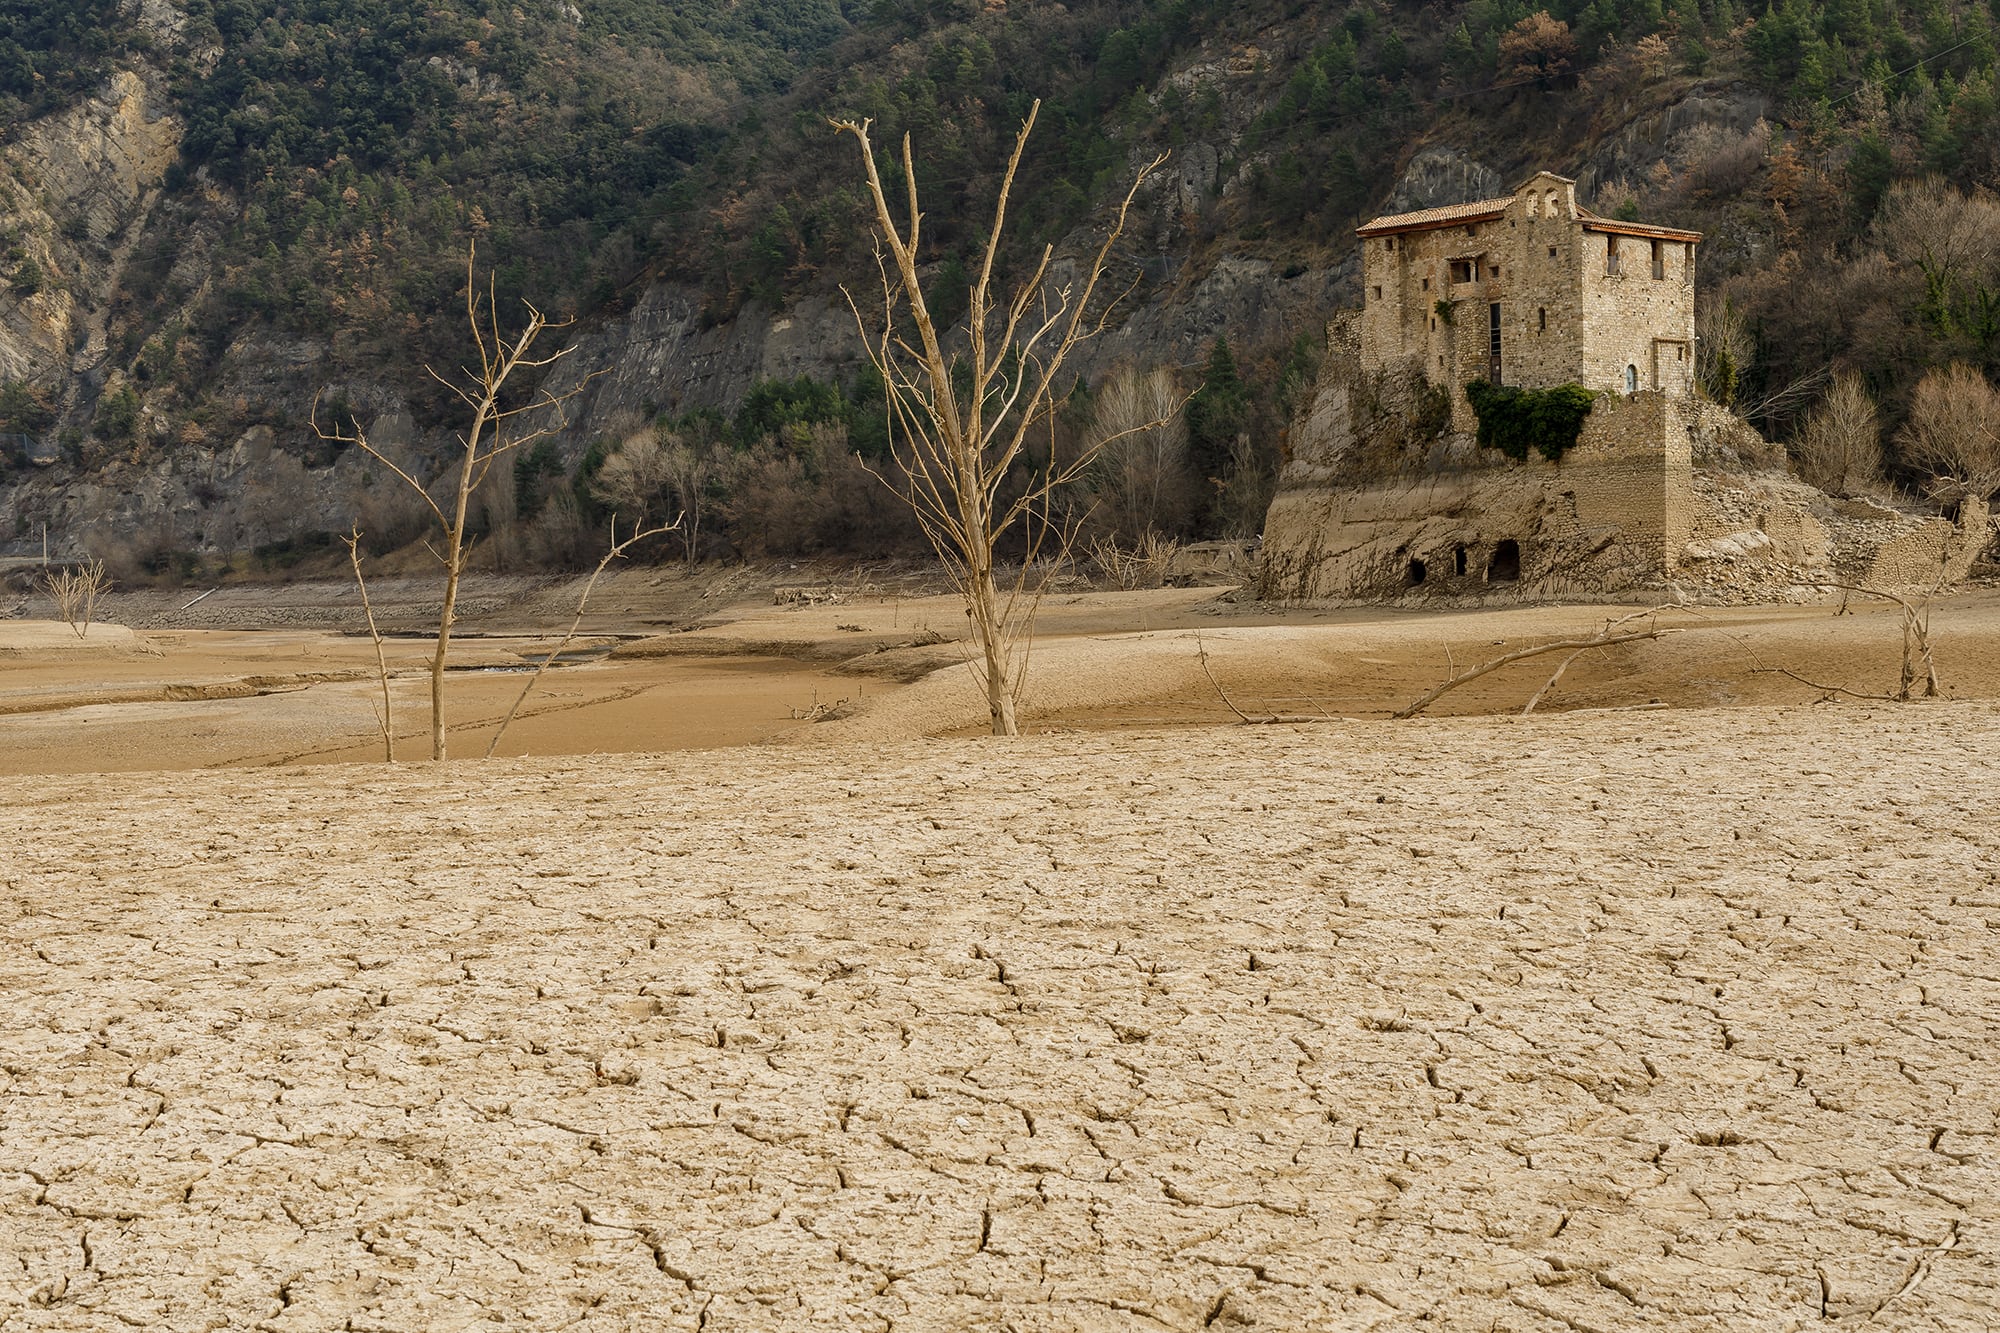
77	190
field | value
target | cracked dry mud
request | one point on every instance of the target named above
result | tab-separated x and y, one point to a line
1680	1021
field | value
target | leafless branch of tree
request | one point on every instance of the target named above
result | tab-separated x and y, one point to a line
960	438
492	434
382	717
618	549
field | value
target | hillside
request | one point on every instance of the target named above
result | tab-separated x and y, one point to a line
219	210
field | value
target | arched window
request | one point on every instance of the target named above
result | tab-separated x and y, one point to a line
1631	379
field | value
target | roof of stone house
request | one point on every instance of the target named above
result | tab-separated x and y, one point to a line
1479	210
1486	210
1592	222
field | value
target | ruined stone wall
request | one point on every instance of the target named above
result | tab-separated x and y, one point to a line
1613	514
1633	471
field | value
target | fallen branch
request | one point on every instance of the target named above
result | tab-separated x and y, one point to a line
1603	639
1828	690
1269	719
618	549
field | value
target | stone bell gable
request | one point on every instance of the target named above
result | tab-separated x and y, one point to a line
1529	289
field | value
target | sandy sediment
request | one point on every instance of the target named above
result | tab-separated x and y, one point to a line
1616	1021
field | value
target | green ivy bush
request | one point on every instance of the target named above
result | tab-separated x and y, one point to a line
1513	420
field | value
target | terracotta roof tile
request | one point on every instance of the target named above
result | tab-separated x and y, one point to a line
1435	217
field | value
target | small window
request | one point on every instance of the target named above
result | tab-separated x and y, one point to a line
1378	293
1552	252
1659	261
1472	229
1464	270
1611	255
1496	270
1631	379
1542	319
1460	559
1434	323
1505	566
1440	363
1427	284
1388	242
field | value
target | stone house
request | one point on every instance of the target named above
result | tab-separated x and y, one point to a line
1387	495
1529	289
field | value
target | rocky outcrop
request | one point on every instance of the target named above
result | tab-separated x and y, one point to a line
77	190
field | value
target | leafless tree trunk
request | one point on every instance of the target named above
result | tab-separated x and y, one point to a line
353	540
959	444
490	436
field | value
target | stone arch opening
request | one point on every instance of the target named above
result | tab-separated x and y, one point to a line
1415	573
1631	379
1505	566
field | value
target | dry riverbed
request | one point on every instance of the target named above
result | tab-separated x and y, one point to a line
1677	1019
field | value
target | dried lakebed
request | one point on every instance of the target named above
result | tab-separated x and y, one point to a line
1587	1022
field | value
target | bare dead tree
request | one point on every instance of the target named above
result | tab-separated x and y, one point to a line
1919	660
382	718
618	549
1608	637
1953	433
961	439
496	430
75	591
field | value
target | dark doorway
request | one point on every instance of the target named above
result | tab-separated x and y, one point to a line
1460	559
1415	574
1505	566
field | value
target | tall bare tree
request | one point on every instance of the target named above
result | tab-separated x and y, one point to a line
495	430
963	417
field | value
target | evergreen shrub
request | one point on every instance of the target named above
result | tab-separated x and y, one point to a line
1513	420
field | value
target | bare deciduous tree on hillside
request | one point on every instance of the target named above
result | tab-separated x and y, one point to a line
496	430
964	417
1840	449
1141	479
1953	434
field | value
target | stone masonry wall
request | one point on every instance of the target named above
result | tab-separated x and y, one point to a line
1614	513
1630	318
